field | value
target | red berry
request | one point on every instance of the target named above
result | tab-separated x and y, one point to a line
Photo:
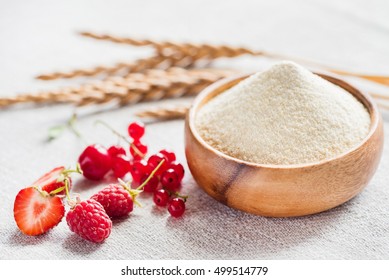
56	185
53	180
116	201
36	212
121	165
170	180
176	207
178	168
116	150
152	184
89	220
138	170
136	130
161	197
95	162
155	160
49	177
169	155
141	148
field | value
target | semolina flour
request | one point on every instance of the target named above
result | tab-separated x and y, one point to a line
285	115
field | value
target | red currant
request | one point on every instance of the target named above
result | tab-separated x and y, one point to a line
121	165
161	197
176	207
178	168
170	180
116	150
138	170
140	148
152	184
136	130
170	156
95	162
155	160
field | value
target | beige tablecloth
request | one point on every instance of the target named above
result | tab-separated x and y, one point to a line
40	37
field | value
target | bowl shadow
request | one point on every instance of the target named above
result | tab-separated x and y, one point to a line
216	231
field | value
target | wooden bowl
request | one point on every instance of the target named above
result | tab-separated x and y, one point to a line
282	190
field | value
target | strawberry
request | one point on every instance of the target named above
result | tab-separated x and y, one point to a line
55	179
89	220
36	211
49	178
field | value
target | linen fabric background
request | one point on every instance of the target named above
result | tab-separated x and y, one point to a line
40	37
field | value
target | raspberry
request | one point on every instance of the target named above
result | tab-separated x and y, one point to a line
89	220
116	201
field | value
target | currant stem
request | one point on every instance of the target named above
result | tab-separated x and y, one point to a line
177	194
139	153
151	175
184	197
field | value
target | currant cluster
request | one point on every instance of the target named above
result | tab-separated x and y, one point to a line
96	161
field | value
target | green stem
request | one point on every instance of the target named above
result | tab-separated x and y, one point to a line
150	176
54	192
133	193
64	177
139	153
184	197
71	124
67	190
78	170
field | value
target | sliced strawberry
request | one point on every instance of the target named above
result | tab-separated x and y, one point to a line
52	180
36	212
56	185
49	177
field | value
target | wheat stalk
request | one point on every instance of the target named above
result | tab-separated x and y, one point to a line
379	79
206	51
152	85
196	51
157	61
184	55
168	54
168	112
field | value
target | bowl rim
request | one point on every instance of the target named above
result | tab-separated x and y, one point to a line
363	98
